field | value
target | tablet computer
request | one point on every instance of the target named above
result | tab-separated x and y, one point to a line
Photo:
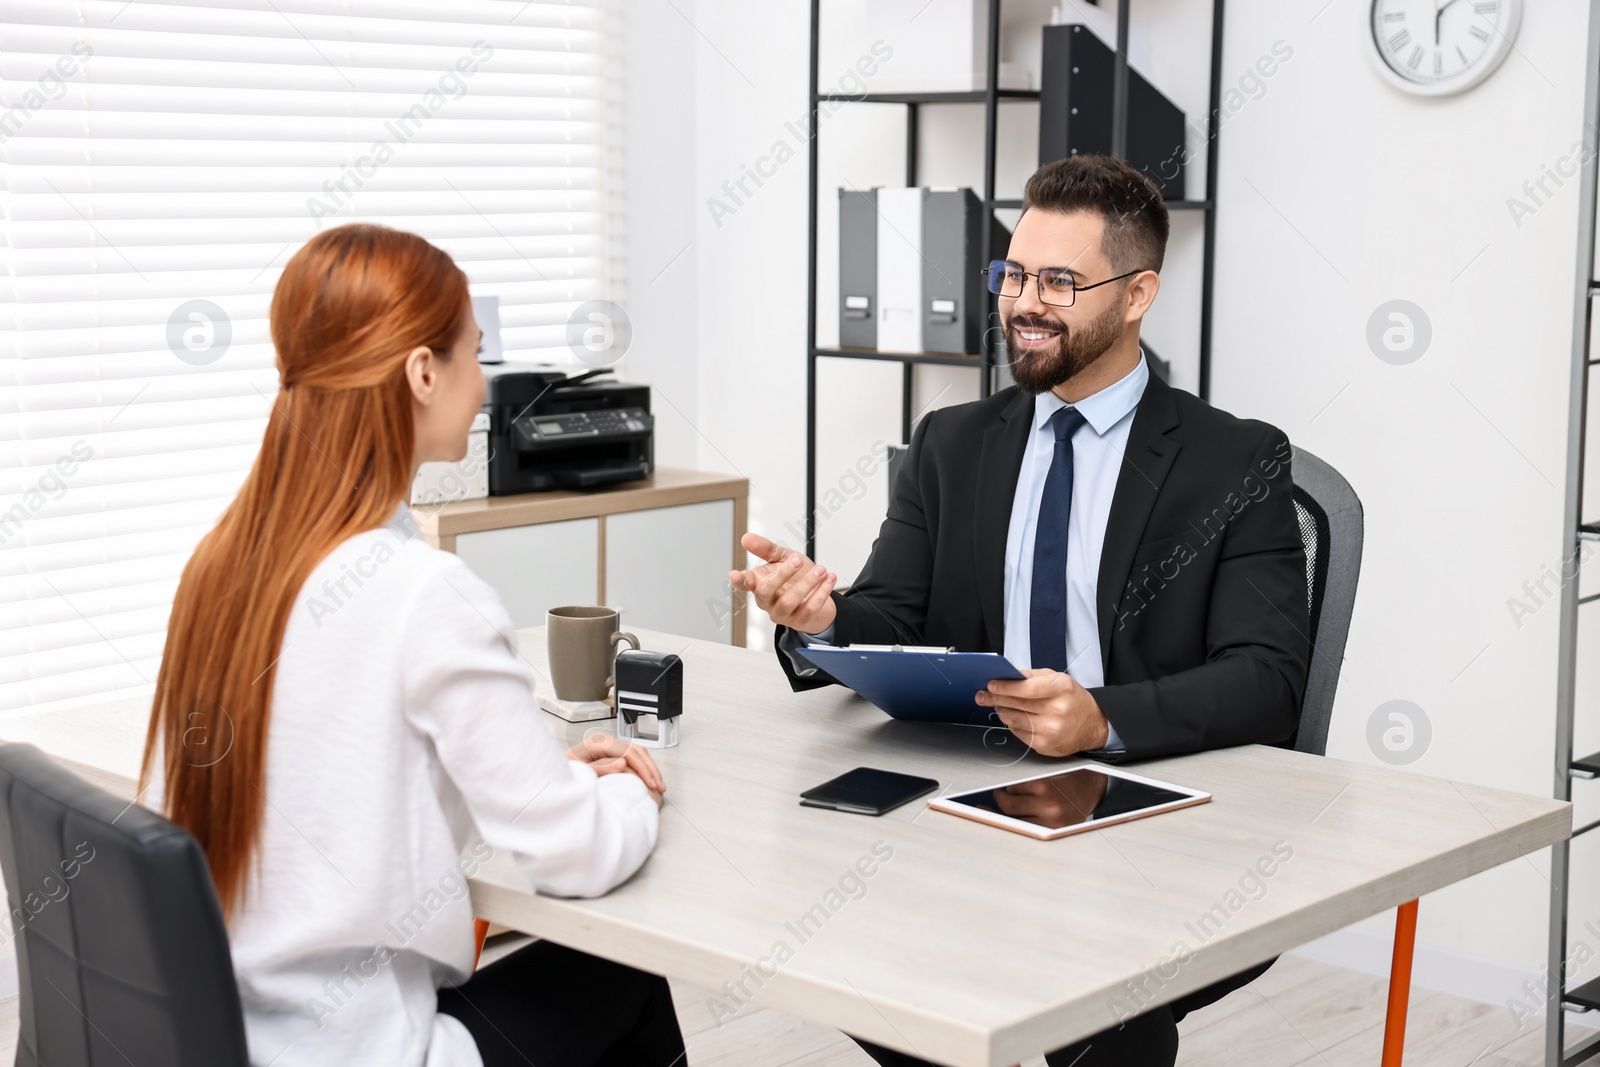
1066	802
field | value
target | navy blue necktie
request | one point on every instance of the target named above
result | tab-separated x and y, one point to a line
1047	610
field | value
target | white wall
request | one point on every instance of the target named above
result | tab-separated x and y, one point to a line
1336	194
663	256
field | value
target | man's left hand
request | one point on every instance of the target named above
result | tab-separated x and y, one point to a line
1049	711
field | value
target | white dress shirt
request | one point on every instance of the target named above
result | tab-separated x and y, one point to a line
406	748
1097	448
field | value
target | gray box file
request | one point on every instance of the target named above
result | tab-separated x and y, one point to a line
858	268
955	295
955	300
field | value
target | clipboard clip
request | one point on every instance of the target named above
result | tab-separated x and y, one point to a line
935	649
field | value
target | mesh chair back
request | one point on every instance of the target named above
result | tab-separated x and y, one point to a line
1331	527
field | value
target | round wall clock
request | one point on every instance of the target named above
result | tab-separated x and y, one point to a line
1434	49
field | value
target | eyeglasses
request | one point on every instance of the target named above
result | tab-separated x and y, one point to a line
1056	286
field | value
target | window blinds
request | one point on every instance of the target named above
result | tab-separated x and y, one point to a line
161	161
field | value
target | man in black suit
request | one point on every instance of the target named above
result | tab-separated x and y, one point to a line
1132	548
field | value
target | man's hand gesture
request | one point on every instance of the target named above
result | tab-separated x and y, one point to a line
793	591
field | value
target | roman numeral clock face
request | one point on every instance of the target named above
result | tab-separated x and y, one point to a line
1438	47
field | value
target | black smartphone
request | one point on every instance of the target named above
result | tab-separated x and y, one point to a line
868	791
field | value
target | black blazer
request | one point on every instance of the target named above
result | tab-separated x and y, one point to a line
1202	596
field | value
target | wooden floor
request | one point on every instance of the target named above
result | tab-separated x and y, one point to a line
1299	1012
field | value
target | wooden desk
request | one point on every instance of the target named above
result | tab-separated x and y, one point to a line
972	946
966	945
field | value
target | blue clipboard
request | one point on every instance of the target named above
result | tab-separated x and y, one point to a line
921	685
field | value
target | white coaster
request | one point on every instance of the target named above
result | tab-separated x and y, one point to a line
576	710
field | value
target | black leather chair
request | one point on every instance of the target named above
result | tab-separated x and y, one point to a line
121	949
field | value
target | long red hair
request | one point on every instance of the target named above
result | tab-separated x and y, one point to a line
336	460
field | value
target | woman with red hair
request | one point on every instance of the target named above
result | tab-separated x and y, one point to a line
342	721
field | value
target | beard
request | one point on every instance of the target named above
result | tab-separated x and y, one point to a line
1073	350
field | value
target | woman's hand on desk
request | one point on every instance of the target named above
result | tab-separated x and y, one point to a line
791	589
608	754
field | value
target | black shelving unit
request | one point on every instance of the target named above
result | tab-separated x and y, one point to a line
990	97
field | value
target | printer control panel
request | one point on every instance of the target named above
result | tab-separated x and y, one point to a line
583	425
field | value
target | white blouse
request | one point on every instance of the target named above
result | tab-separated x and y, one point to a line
406	747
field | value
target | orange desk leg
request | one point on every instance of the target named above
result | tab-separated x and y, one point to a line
480	930
1405	940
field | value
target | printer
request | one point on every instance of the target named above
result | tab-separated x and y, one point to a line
548	430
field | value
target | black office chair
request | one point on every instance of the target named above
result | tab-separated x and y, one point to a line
121	949
1331	525
1330	517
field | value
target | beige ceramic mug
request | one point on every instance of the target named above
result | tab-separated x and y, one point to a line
582	643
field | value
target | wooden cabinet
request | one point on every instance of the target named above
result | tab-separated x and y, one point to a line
659	550
537	567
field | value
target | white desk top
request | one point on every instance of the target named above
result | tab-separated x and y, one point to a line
969	945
